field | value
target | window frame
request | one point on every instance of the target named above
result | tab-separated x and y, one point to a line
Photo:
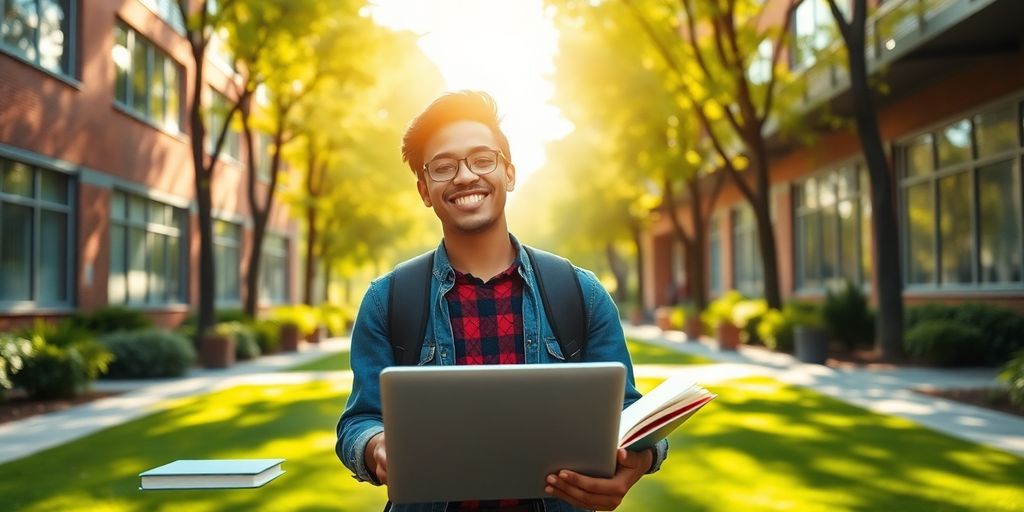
72	43
167	122
149	229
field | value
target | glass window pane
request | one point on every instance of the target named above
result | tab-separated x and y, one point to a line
157	90
117	283
122	58
996	131
866	258
54	187
156	213
117	206
137	209
173	120
809	243
919	158
174	271
849	258
954	144
136	265
810	193
955	237
920	234
18	27
53	36
1000	223
829	245
17	180
15	252
140	79
53	252
157	269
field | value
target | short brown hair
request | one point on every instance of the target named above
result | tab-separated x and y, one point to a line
448	108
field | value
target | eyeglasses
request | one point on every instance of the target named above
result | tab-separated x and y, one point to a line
479	162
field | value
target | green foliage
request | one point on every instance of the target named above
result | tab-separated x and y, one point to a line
13	353
848	318
111	319
774	331
720	310
1003	328
336	318
302	316
53	372
66	335
246	340
268	335
148	353
944	342
808	314
1013	376
747	315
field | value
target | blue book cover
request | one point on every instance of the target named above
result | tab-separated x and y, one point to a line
212	474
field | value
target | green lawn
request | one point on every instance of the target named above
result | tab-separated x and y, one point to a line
642	353
760	446
646	353
330	363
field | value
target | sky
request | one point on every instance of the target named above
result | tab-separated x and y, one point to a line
504	47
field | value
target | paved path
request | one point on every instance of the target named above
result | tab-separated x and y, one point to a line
883	390
886	391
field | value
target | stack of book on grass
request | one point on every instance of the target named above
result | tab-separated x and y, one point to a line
212	474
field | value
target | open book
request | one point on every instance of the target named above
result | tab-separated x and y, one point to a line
212	474
658	413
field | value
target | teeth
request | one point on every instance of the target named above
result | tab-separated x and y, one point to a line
470	199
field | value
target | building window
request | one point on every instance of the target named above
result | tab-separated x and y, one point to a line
961	202
274	271
813	31
746	253
263	156
41	32
715	254
147	82
220	106
168	11
227	256
831	228
35	236
148	254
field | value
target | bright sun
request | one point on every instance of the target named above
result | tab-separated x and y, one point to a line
504	47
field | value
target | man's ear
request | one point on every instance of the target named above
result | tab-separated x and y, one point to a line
510	178
421	186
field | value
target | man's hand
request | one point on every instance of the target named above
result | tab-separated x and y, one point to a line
600	493
376	458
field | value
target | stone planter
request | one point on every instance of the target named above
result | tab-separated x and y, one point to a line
663	318
289	338
728	336
811	344
693	327
316	335
216	351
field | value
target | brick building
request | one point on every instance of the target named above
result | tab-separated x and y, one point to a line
953	126
96	177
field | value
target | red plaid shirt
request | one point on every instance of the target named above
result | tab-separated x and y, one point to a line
487	324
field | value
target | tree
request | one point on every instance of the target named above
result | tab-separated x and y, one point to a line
720	41
889	327
202	21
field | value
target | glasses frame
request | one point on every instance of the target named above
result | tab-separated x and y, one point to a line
465	160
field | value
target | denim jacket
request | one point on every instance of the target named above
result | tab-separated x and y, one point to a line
371	353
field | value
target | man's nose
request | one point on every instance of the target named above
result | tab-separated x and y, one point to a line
464	175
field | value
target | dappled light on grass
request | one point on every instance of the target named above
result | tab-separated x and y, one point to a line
646	353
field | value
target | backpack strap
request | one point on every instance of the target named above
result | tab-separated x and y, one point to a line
409	295
563	301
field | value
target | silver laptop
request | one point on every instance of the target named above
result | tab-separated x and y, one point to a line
495	432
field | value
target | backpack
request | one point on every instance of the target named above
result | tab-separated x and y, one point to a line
409	292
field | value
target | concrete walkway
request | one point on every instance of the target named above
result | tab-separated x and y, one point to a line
887	391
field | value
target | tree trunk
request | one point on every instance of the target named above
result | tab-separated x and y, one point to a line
888	278
696	264
634	228
618	268
765	233
204	202
311	229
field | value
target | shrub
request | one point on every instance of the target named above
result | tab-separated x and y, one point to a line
1013	376
304	317
246	344
336	318
13	353
111	319
746	315
148	353
66	336
268	335
720	310
775	327
848	318
53	372
944	342
1003	328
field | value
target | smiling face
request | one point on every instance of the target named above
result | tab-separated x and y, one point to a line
468	203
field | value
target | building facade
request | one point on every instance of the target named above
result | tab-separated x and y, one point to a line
97	183
952	123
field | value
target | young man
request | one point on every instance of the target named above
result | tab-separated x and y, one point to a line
485	303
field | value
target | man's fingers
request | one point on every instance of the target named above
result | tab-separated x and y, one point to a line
606	486
587	497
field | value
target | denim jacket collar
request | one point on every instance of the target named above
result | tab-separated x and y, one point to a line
444	273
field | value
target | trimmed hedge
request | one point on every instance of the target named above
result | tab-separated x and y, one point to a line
944	342
53	372
111	319
148	353
1003	328
246	344
848	317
